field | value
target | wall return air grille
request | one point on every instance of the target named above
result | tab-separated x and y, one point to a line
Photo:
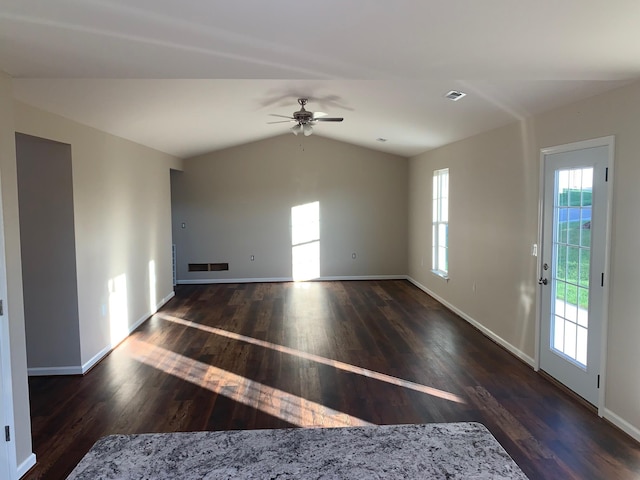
208	267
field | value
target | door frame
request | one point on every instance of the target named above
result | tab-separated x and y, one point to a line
7	415
7	400
608	141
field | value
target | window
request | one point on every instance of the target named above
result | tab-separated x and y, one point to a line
440	233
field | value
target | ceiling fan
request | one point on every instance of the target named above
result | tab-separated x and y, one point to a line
304	120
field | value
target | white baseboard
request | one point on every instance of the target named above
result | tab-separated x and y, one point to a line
206	281
95	359
51	371
162	302
85	367
488	333
27	465
363	277
622	424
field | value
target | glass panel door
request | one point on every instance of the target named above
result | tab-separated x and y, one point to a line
571	268
572	281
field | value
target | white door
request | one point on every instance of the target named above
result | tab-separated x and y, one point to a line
573	275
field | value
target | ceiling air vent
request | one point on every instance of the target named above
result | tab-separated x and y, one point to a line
455	95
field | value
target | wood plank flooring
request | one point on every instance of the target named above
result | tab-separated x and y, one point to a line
278	355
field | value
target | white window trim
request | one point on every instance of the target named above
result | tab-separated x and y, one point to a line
441	274
437	197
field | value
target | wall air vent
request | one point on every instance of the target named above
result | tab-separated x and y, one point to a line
198	267
455	95
218	267
208	267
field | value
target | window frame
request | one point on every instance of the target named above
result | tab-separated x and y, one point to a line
440	223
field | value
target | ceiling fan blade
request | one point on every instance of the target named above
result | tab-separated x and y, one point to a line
283	116
282	121
328	119
318	114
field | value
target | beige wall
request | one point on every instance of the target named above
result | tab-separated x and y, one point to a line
14	310
121	195
492	224
237	203
494	180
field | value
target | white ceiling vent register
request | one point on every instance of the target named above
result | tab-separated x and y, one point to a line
455	95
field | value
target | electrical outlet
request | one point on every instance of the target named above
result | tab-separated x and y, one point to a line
253	258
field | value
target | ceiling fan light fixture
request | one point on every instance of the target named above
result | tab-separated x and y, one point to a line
307	129
296	129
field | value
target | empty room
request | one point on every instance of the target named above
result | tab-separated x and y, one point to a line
346	240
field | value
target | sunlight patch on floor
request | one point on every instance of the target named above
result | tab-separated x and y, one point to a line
316	358
272	401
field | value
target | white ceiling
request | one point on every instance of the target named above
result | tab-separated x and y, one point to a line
191	76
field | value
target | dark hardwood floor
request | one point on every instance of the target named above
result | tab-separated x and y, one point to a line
280	355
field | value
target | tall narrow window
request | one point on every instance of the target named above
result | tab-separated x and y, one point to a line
440	261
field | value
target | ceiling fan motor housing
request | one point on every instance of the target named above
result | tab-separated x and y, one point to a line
303	116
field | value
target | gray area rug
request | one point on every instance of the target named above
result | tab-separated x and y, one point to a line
432	451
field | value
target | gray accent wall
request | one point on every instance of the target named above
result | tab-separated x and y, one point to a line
47	239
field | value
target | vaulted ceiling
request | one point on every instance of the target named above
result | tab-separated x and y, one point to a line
192	76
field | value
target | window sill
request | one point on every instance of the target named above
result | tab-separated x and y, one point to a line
441	274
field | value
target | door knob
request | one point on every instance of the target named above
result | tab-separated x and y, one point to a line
542	281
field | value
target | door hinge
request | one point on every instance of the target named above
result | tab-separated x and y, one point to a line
7	433
1	308
606	174
602	279
598	381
